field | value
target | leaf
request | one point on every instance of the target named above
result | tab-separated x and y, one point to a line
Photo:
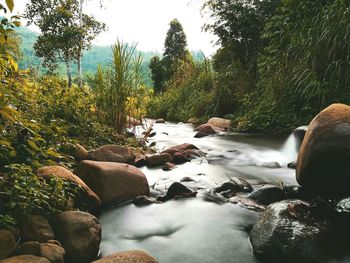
10	4
33	146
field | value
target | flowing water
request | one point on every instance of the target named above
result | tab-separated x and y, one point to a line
195	230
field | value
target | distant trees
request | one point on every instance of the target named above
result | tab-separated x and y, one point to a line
63	36
175	50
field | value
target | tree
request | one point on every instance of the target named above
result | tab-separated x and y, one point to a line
157	72
175	48
63	38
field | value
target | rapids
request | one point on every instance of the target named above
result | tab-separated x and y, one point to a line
195	230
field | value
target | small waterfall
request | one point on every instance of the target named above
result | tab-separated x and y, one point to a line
290	149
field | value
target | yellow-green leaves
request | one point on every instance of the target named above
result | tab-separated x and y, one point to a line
10	4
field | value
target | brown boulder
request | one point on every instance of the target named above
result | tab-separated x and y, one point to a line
323	162
192	153
79	234
7	243
36	228
89	197
180	158
133	256
184	147
112	153
113	182
205	129
28	248
140	160
25	259
52	252
159	159
81	153
168	167
221	123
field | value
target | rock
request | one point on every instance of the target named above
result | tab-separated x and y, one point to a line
292	165
323	161
221	123
193	153
268	194
159	121
168	166
143	200
200	135
113	153
113	182
187	179
152	134
133	256
79	233
288	232
205	129
28	248
245	186
54	253
25	259
184	147
180	158
299	134
296	192
36	228
177	190
271	165
343	206
80	153
7	243
158	159
88	197
140	160
193	121
247	203
228	189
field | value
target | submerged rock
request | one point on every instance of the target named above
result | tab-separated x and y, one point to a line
159	121
228	189
168	166
288	232
271	165
177	190
143	200
204	130
158	159
247	203
79	233
133	256
323	162
187	179
268	194
113	182
292	165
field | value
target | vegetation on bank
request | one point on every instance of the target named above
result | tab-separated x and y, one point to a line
279	63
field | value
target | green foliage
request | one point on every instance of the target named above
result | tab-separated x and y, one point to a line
189	94
23	193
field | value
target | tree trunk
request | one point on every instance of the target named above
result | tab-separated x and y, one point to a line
80	68
69	73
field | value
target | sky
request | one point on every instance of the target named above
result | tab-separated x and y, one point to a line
145	22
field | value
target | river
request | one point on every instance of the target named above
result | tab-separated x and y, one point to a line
194	230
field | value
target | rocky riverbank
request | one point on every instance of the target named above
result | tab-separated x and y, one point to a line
285	222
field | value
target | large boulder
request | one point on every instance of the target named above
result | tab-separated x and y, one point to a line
221	123
25	259
27	248
36	228
323	162
133	256
92	201
52	252
113	153
7	243
79	234
113	182
288	232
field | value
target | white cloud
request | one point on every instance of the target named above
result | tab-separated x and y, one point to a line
146	22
